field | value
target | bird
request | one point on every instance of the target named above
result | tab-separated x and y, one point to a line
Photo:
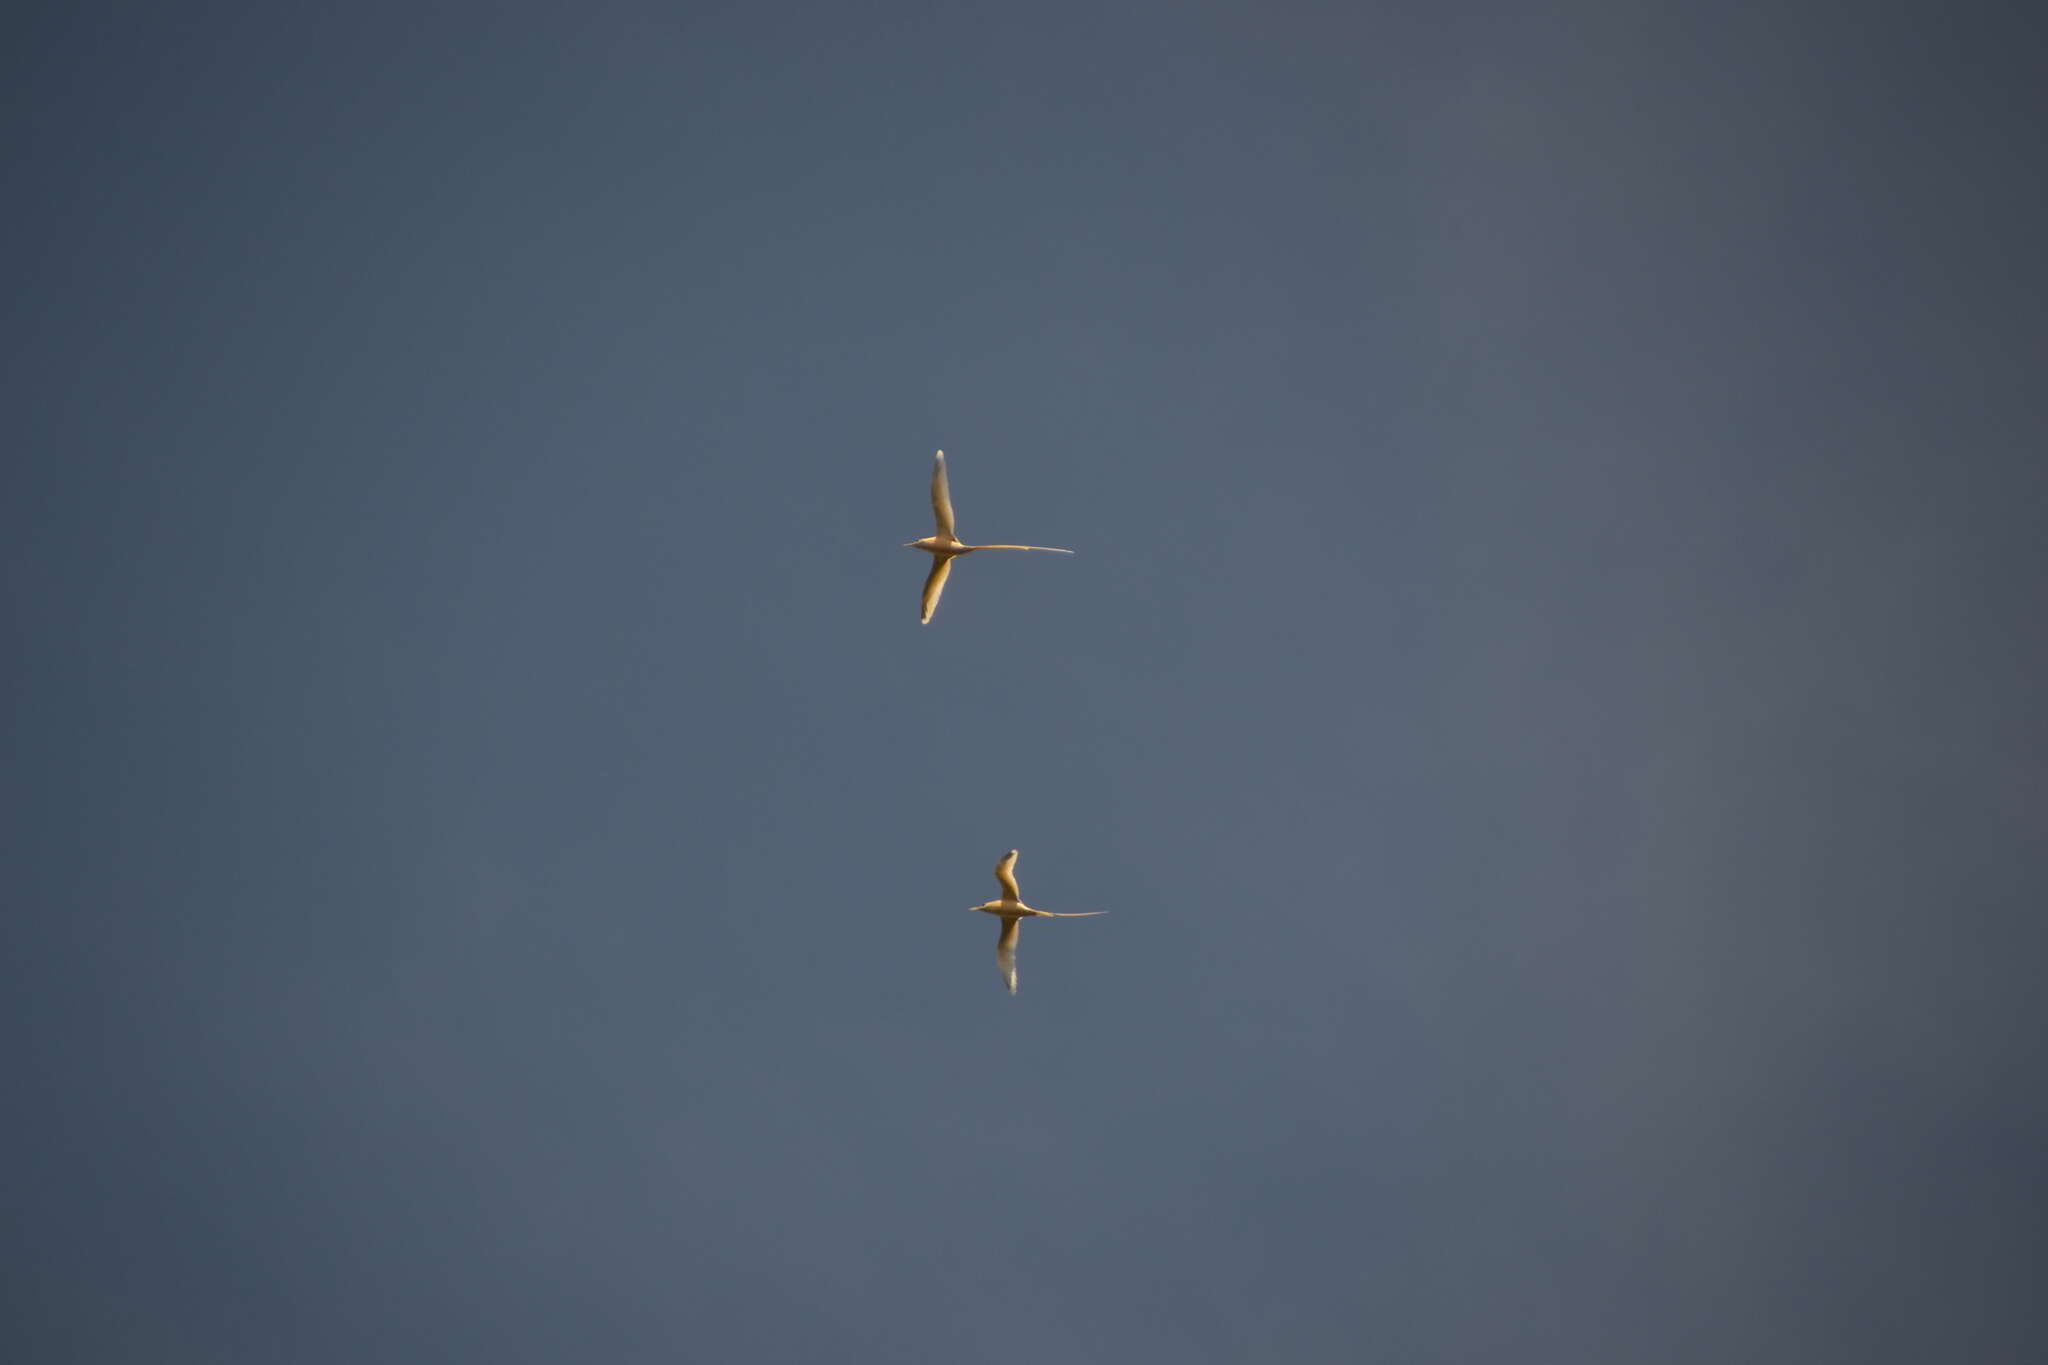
1013	911
944	547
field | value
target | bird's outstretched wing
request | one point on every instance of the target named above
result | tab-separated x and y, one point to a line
1006	873
942	497
934	584
1006	952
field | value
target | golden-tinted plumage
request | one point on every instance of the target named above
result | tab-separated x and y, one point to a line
1014	911
945	547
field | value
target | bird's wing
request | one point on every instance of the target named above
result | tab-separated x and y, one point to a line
1006	873
934	584
942	497
1006	952
1051	549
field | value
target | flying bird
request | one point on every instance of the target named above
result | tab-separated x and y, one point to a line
1013	911
944	547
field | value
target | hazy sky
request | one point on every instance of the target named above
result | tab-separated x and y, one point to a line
1549	689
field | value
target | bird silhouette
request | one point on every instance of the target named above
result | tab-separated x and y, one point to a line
1013	911
945	547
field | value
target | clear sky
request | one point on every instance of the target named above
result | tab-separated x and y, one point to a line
1549	690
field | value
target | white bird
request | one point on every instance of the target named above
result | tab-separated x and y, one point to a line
944	547
1013	911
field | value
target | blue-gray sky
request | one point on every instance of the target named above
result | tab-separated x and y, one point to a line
1549	689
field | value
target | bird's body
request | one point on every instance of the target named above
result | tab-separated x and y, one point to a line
945	547
1012	910
1019	909
942	545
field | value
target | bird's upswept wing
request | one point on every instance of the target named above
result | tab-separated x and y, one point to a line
942	498
1006	873
934	584
1006	952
